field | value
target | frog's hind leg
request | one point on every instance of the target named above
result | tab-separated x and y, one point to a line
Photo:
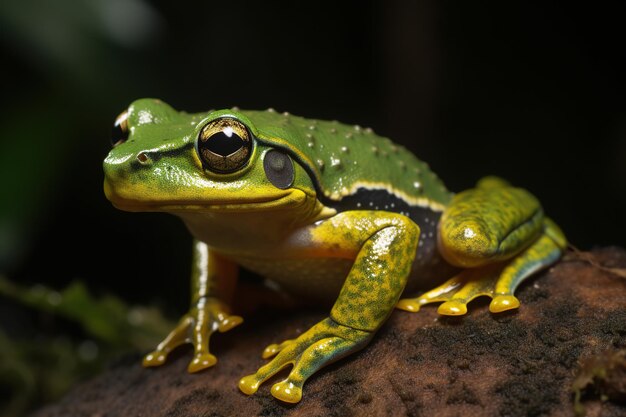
500	236
498	281
542	253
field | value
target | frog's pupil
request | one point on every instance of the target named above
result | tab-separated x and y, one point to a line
224	143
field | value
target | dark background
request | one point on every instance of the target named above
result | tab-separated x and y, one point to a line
533	92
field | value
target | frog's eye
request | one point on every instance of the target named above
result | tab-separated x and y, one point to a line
224	145
278	169
119	134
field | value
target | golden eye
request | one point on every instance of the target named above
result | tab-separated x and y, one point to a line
224	145
119	133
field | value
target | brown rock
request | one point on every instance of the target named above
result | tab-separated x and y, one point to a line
514	364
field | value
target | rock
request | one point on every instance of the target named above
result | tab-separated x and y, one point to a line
520	363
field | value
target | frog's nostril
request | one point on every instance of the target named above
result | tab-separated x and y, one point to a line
143	158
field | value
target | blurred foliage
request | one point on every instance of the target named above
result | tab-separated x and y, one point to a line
41	369
603	375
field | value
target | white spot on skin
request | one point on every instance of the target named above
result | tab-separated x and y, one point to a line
344	149
417	184
335	162
144	117
468	233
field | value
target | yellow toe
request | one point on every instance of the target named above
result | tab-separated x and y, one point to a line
287	392
229	322
270	351
202	361
249	384
452	308
503	302
408	304
155	358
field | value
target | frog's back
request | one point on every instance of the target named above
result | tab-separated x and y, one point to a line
346	160
355	169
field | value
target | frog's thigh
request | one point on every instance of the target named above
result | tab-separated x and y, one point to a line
487	224
383	247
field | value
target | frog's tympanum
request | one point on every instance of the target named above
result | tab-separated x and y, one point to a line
327	211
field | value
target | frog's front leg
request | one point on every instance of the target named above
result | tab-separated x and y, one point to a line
500	235
383	247
212	283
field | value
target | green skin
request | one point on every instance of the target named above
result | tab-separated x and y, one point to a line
491	237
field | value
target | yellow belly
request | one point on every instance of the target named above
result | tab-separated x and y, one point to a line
314	278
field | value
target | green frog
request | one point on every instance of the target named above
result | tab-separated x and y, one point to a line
327	211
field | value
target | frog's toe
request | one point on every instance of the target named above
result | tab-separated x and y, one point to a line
287	392
452	308
457	292
324	343
409	304
154	358
274	348
201	361
441	293
228	323
249	384
502	303
306	358
177	337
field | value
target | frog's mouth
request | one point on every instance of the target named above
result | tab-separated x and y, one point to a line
138	201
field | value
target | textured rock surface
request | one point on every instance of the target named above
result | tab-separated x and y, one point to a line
515	364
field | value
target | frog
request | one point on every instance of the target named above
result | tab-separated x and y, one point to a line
325	211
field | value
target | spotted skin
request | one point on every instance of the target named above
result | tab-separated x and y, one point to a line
340	214
386	245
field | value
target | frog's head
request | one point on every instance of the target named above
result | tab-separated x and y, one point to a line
165	160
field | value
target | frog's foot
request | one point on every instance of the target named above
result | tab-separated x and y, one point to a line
322	344
195	327
457	292
497	281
